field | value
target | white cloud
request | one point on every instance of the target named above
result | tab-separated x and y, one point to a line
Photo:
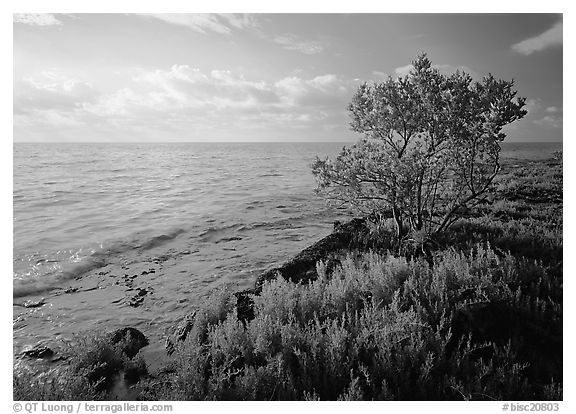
180	100
380	75
293	42
544	116
36	19
207	22
550	121
188	87
58	82
403	70
240	20
550	38
51	90
533	105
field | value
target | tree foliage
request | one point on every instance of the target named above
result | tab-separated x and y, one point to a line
430	148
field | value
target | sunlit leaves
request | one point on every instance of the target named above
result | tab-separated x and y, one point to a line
430	147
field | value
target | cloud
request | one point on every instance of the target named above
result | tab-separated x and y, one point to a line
550	121
550	38
542	115
292	42
183	88
36	19
181	102
207	22
403	70
51	90
381	75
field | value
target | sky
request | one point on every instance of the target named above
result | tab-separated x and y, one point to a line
259	77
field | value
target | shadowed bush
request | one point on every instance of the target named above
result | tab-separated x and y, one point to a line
381	327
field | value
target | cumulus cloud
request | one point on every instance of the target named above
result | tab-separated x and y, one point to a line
403	70
550	121
187	89
207	22
51	90
36	19
292	42
381	75
550	38
180	100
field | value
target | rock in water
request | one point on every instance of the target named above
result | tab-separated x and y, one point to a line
39	351
132	340
32	303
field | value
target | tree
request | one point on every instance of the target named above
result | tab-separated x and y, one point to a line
430	148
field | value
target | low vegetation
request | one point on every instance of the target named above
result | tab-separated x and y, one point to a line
481	321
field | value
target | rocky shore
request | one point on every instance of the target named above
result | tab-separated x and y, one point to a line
299	269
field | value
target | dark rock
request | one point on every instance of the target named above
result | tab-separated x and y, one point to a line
136	301
71	290
32	303
131	340
331	265
132	374
138	298
245	305
229	239
302	267
180	333
39	351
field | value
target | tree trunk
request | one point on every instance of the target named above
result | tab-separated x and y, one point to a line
398	219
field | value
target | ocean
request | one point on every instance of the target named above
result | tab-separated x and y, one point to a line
97	224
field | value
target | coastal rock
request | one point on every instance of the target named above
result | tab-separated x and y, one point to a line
302	267
32	303
180	333
245	305
131	340
138	298
38	351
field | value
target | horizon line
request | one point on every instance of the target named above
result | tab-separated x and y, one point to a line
236	142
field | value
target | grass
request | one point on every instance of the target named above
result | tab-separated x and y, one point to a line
483	323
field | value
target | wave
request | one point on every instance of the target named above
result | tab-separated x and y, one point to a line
46	283
76	267
161	239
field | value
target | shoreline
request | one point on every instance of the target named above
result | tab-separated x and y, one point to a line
132	282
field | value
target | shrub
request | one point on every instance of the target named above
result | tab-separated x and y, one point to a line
382	327
431	148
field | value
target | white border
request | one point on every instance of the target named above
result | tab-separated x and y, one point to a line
294	6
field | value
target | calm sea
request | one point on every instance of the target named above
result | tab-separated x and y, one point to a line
209	213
